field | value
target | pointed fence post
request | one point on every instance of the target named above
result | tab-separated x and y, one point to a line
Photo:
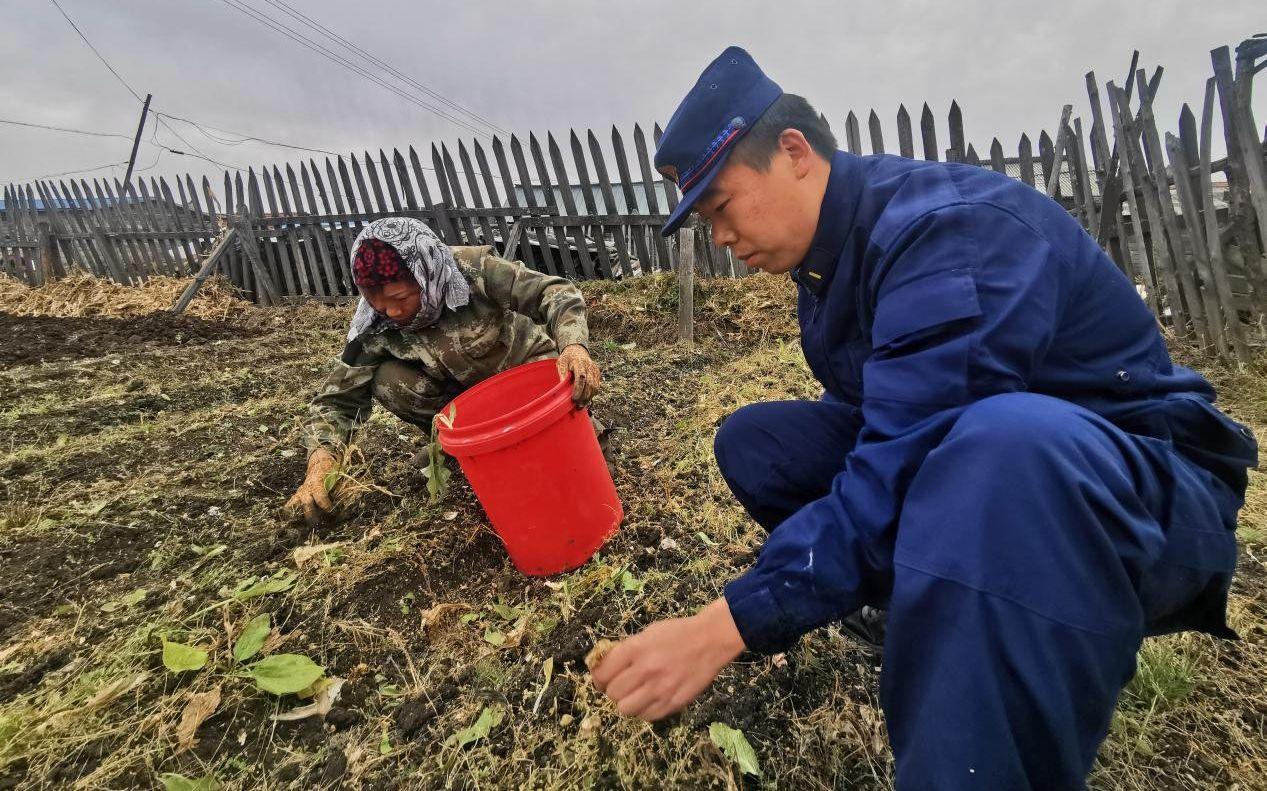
686	283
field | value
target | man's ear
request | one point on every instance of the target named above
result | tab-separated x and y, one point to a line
796	148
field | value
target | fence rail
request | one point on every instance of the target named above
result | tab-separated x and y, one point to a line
589	205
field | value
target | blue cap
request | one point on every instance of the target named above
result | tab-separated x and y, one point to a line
729	97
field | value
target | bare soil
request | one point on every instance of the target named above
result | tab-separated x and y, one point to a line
153	453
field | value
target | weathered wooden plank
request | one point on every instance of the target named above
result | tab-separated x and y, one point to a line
466	227
1025	152
444	223
1157	179
78	250
189	247
569	204
265	290
529	257
60	213
225	242
1246	173
590	199
154	215
490	188
124	202
362	191
165	220
350	229
877	133
548	257
670	186
108	250
609	200
1052	169
1111	208
928	133
631	201
300	236
393	196
853	135
328	237
972	158
1214	312
648	186
1046	158
996	157
686	283
280	256
324	278
131	204
1083	180
543	174
459	197
1132	172
57	214
905	140
476	198
955	120
1214	244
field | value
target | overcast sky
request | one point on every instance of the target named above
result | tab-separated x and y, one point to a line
536	65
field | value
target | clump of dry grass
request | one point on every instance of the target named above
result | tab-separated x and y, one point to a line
83	295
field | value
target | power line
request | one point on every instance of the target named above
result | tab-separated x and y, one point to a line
74	172
61	129
308	43
244	137
131	90
317	26
101	57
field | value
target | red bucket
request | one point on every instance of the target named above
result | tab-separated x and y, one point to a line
534	462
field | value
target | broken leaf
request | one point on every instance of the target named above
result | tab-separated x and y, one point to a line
178	657
127	600
176	782
506	612
304	555
489	718
630	583
735	746
547	670
278	584
494	637
321	704
200	706
252	638
471	616
285	674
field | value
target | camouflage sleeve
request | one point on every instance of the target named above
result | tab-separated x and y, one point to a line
553	301
343	401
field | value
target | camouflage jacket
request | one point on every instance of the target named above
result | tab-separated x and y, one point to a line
515	315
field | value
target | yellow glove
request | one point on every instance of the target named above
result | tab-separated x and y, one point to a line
576	360
312	500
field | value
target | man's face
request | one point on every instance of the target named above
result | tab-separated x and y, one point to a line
399	300
766	218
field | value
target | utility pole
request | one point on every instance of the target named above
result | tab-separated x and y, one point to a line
145	111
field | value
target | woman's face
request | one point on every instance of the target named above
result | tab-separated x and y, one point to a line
399	300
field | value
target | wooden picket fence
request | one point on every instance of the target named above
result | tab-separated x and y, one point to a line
592	209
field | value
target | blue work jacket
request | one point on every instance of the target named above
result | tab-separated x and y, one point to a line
929	286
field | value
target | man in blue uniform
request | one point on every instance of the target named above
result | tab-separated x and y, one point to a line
1004	456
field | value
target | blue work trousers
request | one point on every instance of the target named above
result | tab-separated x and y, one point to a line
1037	545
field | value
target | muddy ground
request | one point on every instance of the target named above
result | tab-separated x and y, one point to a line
142	464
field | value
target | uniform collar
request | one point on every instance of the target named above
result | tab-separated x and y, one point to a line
835	221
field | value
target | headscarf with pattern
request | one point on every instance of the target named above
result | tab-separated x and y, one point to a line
429	260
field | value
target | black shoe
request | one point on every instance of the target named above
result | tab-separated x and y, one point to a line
867	626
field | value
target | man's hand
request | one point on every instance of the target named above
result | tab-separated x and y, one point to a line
312	500
658	671
575	359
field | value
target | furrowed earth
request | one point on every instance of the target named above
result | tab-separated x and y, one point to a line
143	463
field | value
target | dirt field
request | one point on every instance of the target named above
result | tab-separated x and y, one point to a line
142	464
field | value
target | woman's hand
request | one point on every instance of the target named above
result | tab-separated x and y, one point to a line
575	359
667	665
312	501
